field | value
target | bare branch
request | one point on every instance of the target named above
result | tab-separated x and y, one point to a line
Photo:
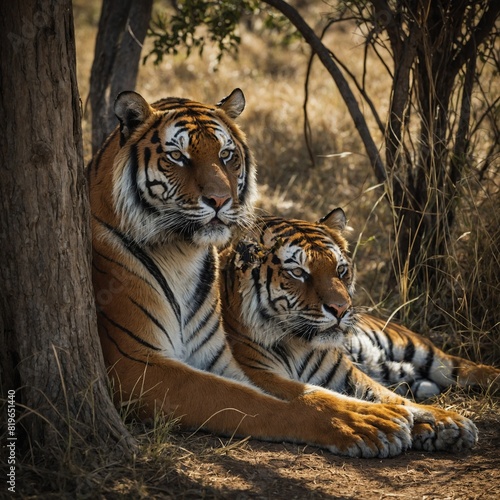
324	55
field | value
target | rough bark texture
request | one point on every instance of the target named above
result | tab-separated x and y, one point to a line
122	29
50	349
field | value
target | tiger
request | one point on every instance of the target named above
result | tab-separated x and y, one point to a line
170	186
287	290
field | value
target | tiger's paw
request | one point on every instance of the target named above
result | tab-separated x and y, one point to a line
447	431
381	431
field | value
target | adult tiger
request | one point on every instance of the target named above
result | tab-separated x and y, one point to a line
287	308
175	180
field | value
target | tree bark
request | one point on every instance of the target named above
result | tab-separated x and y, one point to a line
51	354
122	29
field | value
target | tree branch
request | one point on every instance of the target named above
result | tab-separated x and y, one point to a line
352	105
480	32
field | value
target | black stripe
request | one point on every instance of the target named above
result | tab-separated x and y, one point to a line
228	278
153	319
280	351
202	324
327	380
350	384
149	264
254	346
426	368
269	279
386	374
206	280
129	333
409	351
390	354
113	261
360	357
319	362
256	282
303	364
216	358
137	194
123	353
248	165
211	333
375	340
255	364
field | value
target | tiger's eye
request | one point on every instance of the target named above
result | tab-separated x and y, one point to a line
175	155
226	154
341	270
297	272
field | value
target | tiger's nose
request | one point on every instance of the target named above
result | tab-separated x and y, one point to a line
338	310
215	201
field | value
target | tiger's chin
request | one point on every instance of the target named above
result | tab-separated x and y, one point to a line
316	337
332	336
328	339
216	234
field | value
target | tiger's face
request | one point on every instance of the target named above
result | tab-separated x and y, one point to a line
296	279
184	170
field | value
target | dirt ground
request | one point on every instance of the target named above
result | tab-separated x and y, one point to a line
209	467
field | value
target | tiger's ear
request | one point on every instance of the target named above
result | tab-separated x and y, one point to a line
248	255
336	219
233	104
132	110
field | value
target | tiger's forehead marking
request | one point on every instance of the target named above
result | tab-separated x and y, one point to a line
303	246
291	254
304	254
183	131
225	138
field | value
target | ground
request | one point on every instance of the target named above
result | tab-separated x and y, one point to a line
180	465
208	467
199	465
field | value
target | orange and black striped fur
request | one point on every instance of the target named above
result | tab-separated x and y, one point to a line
287	302
172	183
410	364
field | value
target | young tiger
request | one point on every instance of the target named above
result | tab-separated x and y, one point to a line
287	290
172	183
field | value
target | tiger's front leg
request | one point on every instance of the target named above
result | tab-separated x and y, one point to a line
313	416
362	429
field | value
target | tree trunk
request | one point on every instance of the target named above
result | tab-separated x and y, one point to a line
50	354
122	29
